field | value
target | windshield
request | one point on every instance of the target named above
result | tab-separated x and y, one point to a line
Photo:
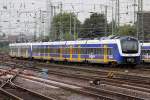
129	45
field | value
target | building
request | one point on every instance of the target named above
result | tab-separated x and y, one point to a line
143	25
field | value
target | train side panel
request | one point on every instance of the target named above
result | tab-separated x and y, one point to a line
145	52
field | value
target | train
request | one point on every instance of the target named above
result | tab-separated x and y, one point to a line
145	52
113	50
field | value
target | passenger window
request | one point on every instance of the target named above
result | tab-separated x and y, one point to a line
109	51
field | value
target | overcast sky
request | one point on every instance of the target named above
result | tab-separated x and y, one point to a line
84	7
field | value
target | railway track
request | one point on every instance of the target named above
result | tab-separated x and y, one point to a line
91	91
16	92
101	94
9	89
97	73
89	68
96	91
122	79
23	94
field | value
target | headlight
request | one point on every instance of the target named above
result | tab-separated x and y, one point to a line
130	60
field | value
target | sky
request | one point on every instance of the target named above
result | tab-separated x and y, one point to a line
14	20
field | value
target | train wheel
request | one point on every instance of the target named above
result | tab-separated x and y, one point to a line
114	64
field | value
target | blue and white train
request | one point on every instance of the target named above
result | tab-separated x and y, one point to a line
112	50
145	55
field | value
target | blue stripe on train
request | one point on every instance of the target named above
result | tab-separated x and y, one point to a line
115	52
146	47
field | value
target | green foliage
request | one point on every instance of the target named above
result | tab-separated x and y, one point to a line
68	36
93	26
61	26
127	30
4	47
109	28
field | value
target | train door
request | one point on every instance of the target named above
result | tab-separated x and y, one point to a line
71	52
79	53
61	53
105	54
19	51
10	53
48	52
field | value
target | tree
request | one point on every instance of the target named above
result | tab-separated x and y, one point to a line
63	26
94	26
127	30
111	28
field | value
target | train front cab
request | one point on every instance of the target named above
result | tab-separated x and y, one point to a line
145	55
130	51
14	51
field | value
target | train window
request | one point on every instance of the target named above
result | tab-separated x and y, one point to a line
76	52
51	50
109	51
148	52
85	50
73	50
99	50
102	51
65	50
143	52
96	50
81	50
89	51
54	50
68	50
46	49
35	50
58	50
41	50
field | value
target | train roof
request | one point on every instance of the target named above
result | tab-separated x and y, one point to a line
20	44
106	41
145	44
103	40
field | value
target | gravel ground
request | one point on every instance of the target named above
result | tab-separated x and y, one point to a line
67	95
135	93
102	86
52	91
86	83
3	97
